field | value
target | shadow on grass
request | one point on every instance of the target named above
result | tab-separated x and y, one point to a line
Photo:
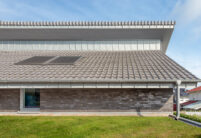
197	136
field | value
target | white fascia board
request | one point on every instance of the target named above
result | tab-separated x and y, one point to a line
115	85
153	85
166	85
189	85
102	85
128	85
96	85
90	85
141	85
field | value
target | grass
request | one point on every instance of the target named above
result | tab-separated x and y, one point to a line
94	127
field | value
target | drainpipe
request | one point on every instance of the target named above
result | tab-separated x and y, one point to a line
21	99
178	83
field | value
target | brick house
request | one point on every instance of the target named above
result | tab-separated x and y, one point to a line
88	67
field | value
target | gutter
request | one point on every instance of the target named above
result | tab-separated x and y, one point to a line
96	81
191	122
188	121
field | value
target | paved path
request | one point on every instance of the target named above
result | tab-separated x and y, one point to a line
84	113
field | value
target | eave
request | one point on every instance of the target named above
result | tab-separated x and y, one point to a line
140	84
87	31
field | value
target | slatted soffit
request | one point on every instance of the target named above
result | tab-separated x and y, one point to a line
87	31
86	23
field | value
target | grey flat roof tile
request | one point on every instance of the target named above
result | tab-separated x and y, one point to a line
121	65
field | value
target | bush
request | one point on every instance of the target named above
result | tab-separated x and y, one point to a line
190	117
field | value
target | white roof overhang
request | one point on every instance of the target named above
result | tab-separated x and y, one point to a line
189	84
80	32
141	85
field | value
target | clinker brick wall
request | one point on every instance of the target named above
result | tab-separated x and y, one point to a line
9	100
140	100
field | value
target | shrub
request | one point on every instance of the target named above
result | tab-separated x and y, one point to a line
190	117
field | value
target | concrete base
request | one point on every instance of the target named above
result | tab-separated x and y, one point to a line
85	113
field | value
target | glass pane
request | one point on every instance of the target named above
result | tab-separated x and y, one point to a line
32	98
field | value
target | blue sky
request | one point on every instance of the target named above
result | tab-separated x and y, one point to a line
184	47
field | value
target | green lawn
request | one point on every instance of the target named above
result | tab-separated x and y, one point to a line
94	127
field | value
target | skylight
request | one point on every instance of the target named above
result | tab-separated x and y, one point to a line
49	60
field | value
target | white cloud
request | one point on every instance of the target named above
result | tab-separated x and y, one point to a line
187	11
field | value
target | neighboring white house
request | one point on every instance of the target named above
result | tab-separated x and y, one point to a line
184	99
194	94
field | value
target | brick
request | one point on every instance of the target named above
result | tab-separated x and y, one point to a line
9	100
144	100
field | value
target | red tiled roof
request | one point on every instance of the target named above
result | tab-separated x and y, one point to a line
187	103
194	90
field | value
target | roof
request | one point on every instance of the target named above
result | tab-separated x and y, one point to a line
195	106
87	31
187	103
84	23
94	66
198	89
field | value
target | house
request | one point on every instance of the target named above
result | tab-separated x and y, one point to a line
184	99
194	94
89	67
183	96
187	103
194	105
193	99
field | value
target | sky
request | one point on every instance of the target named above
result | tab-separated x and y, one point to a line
185	44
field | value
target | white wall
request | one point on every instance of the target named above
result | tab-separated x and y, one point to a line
195	96
81	45
183	99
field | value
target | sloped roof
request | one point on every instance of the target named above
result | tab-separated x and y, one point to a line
195	106
198	89
187	103
121	66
